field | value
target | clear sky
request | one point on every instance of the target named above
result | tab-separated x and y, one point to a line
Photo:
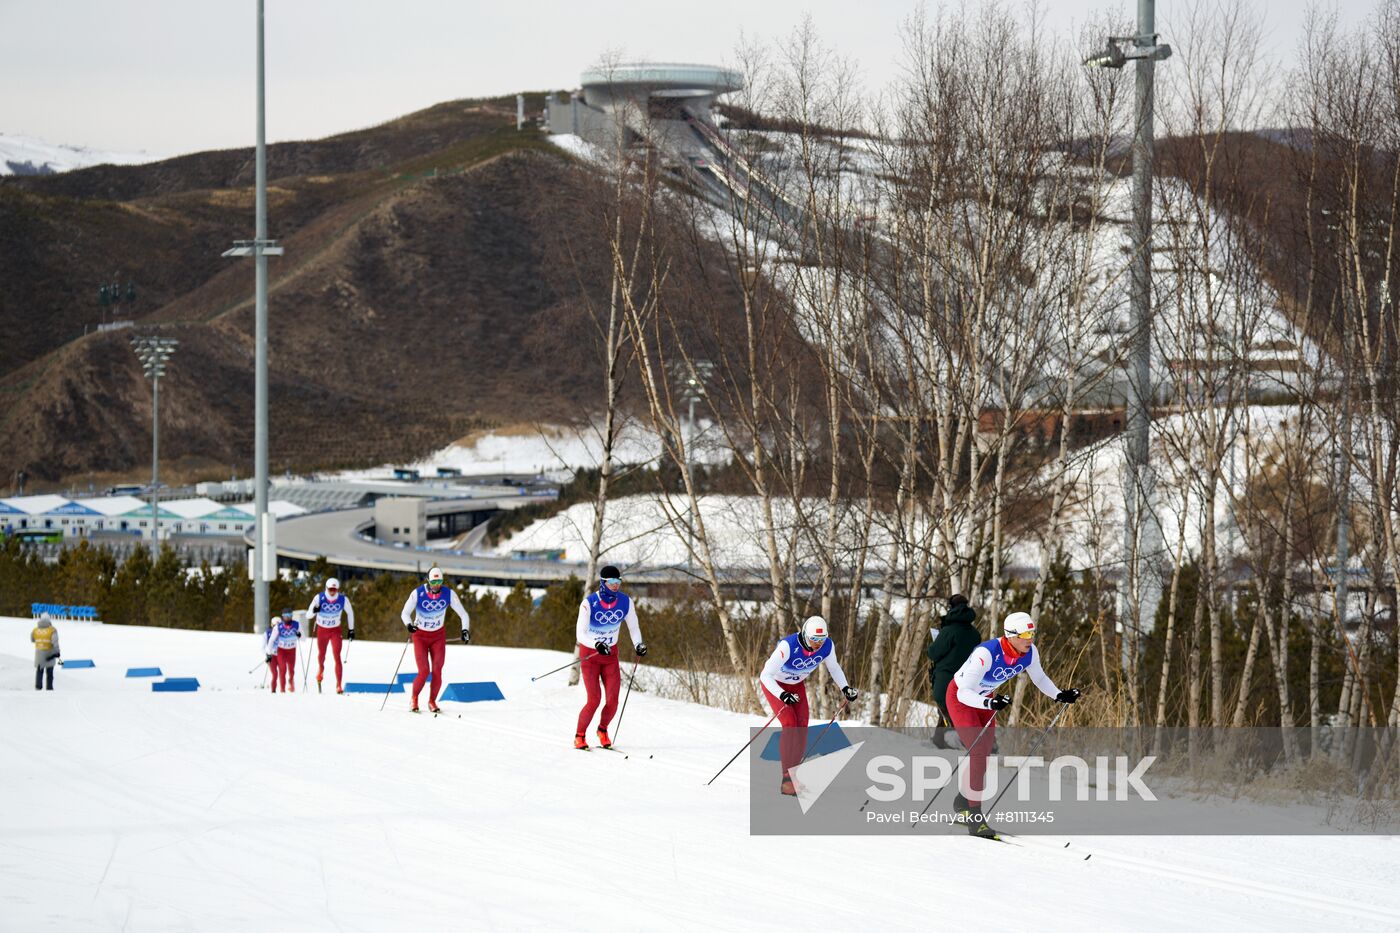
171	76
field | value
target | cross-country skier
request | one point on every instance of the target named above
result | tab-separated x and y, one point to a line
430	604
791	663
600	618
280	646
326	608
973	704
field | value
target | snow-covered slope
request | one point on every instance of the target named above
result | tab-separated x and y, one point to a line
235	809
26	155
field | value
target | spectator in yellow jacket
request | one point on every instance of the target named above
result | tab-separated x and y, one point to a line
45	638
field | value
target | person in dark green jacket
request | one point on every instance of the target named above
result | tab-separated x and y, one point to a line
957	637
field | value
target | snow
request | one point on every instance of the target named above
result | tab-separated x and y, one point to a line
547	449
581	148
27	155
235	809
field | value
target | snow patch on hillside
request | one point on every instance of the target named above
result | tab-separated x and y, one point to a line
27	155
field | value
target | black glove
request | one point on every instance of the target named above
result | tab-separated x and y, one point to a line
641	649
850	693
466	636
789	698
1067	696
269	661
298	633
350	635
601	648
998	702
412	628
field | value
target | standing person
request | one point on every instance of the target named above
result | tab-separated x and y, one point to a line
782	680
326	608
600	618
429	632
973	705
957	637
280	646
45	639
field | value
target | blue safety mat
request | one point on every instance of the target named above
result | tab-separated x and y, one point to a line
176	685
408	678
143	672
82	662
833	739
374	688
473	692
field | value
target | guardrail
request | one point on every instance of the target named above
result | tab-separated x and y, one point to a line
64	613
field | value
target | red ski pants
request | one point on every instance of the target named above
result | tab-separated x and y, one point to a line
429	647
969	720
601	673
284	668
793	745
328	635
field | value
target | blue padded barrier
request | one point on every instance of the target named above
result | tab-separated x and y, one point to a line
143	672
472	692
80	662
408	677
374	688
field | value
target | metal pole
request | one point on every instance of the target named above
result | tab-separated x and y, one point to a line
1138	529
260	607
155	459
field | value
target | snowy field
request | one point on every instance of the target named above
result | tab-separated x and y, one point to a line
236	809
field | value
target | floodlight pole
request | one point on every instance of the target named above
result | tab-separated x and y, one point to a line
260	247
154	352
1141	587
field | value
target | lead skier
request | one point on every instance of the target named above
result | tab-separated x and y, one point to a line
327	608
430	634
973	705
782	681
600	618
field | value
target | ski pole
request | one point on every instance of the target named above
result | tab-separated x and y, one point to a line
741	751
305	671
556	670
393	680
630	678
262	664
818	742
956	767
1035	745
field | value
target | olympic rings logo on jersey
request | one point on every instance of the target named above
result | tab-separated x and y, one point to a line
609	616
1004	673
803	664
433	605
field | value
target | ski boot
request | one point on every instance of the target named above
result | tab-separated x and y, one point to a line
964	811
787	788
580	743
318	683
603	739
414	707
433	707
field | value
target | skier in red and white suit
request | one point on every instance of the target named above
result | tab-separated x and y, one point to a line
326	608
791	663
973	704
425	616
280	646
600	618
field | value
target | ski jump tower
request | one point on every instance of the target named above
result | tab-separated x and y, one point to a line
642	102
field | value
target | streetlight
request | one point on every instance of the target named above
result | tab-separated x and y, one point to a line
154	353
260	248
1144	50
